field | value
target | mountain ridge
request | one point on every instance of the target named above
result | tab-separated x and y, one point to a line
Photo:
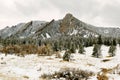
69	25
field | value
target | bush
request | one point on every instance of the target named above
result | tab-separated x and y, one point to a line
70	74
44	50
21	50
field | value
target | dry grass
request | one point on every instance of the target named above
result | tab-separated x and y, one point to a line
102	75
26	77
105	60
69	74
90	64
44	50
21	50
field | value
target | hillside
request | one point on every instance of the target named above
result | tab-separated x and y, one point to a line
69	25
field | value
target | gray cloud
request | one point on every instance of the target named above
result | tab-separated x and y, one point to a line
28	8
96	12
111	14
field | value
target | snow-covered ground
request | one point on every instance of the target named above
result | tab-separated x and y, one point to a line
31	67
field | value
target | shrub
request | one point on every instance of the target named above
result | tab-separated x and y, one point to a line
44	50
70	74
26	77
22	50
105	60
102	77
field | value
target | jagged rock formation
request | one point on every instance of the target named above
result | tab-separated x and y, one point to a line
67	26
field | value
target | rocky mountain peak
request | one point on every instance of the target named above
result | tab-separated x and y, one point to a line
69	21
68	15
69	25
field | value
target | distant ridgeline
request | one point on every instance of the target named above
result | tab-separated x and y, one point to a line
62	34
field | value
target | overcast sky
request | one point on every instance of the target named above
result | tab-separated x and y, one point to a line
96	12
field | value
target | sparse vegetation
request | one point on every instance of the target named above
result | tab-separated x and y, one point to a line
26	77
69	74
44	50
105	60
22	50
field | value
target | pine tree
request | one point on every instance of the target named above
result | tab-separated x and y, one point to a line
112	50
81	49
66	56
107	41
114	42
99	40
56	46
97	51
72	49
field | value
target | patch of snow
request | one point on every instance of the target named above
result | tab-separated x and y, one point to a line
47	35
88	51
85	36
96	36
74	32
43	36
34	66
106	31
104	51
33	32
22	37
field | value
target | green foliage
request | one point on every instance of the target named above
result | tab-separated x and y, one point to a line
114	42
73	48
66	56
107	42
56	46
81	49
100	40
89	42
96	51
112	50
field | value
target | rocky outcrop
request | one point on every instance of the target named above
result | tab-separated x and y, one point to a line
67	26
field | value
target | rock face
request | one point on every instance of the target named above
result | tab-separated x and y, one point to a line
67	26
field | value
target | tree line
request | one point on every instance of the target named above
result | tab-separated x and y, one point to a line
69	43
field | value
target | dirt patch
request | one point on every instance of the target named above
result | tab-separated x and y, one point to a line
10	77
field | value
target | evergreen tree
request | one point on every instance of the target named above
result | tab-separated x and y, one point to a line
66	56
81	49
106	42
96	51
99	40
114	42
112	50
56	46
72	48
